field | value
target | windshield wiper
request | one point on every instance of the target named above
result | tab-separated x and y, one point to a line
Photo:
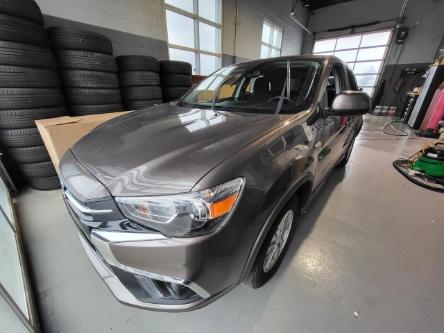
286	85
182	103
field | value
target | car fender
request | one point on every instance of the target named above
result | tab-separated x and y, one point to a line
296	184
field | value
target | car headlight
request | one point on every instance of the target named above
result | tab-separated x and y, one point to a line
184	215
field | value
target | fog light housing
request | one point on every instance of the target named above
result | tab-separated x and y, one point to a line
150	290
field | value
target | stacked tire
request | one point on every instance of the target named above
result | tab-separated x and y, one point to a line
139	81
88	71
29	90
176	79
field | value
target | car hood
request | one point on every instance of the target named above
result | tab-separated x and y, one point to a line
166	149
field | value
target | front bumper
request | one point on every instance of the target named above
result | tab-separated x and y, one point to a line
124	295
142	267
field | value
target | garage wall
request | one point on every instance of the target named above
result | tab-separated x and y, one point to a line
423	17
139	26
134	26
251	14
140	17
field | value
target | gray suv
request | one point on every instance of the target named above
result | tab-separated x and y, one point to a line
179	203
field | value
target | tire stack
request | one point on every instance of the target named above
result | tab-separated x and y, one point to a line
29	90
88	71
176	79
139	81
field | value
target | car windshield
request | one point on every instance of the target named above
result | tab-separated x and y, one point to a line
281	86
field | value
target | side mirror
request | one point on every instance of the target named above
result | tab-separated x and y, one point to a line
351	103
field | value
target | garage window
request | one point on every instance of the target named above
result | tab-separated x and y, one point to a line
194	33
364	53
271	40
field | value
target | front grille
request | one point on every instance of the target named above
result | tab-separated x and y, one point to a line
100	214
72	203
84	217
89	213
86	231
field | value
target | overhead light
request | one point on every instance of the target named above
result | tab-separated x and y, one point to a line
293	17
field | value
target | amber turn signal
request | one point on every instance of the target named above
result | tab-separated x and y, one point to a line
222	207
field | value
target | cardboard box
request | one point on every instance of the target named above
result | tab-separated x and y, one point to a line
60	134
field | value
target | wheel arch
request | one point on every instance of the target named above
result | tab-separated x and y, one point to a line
301	189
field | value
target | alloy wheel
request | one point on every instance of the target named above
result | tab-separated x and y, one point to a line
278	242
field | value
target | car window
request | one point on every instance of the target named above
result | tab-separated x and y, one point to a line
352	80
332	87
335	85
285	84
324	101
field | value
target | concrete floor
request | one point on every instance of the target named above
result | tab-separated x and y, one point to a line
368	257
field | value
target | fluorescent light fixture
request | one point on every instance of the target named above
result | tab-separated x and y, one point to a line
293	17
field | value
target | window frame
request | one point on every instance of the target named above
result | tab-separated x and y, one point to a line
196	20
339	72
352	80
382	60
270	45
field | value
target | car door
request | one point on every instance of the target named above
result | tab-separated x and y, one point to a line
334	128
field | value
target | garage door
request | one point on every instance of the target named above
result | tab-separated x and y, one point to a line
364	53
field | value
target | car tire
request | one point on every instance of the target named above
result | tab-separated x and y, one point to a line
343	162
29	154
177	80
28	77
84	96
18	138
45	183
89	79
38	170
84	110
141	93
137	63
75	39
19	30
26	9
137	105
25	118
138	79
175	67
174	93
29	98
261	273
86	60
19	54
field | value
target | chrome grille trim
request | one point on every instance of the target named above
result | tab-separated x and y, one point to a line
83	209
